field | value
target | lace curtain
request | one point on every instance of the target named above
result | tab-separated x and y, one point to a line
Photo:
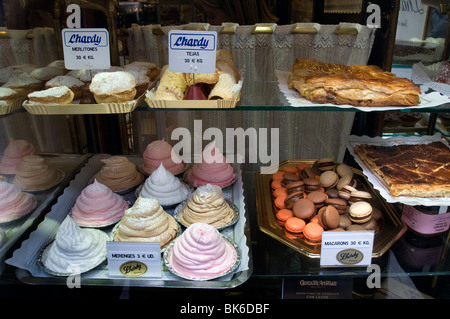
301	134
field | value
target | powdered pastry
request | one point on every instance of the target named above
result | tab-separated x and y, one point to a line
201	253
13	155
113	87
75	246
98	206
207	205
165	187
146	221
61	95
213	169
158	152
35	174
118	173
13	202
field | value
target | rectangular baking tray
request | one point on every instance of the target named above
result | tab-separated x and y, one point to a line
391	230
27	271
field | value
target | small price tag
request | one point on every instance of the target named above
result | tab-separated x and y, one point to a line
86	49
126	259
352	248
192	51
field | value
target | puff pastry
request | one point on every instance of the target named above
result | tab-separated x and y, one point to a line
358	85
415	170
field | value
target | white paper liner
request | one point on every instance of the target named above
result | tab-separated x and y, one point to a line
25	257
427	100
425	76
377	184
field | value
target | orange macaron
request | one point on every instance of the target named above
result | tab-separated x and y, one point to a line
280	191
295	225
276	183
283	215
313	232
278	175
290	169
279	202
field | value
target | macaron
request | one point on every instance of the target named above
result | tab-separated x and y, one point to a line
290	169
360	212
339	203
355	227
311	184
278	175
280	191
313	232
346	191
301	166
344	222
332	192
358	196
304	208
283	215
276	183
325	164
343	181
318	198
295	225
328	217
344	170
279	202
376	213
292	198
307	172
289	177
371	224
296	186
329	179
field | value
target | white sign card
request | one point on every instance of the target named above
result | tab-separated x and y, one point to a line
192	51
86	49
350	248
130	259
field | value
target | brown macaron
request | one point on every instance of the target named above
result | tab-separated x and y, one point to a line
338	203
306	172
318	198
288	178
325	164
311	184
328	217
332	193
344	170
296	186
329	179
304	208
344	222
292	198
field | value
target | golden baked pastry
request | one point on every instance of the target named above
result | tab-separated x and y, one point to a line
46	73
113	87
75	85
415	170
208	78
24	84
8	95
172	85
358	85
60	95
150	69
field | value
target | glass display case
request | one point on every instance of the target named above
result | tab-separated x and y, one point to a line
276	125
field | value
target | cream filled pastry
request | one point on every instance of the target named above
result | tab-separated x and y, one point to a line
201	253
146	221
35	174
213	169
98	206
13	155
158	152
118	173
75	246
207	205
163	186
13	202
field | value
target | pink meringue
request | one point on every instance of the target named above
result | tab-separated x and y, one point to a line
158	152
201	253
13	155
13	202
98	206
213	169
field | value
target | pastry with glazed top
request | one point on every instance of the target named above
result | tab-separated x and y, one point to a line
14	203
163	186
98	206
158	152
113	87
34	174
207	205
71	82
75	246
146	221
118	173
201	253
13	155
60	95
24	84
213	169
358	85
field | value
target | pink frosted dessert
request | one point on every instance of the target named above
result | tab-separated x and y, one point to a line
201	253
98	206
158	152
13	202
13	155
213	169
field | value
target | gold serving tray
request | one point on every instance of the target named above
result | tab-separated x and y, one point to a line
193	104
391	228
11	107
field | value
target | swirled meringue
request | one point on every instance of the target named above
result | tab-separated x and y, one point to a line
207	205
118	173
98	206
75	247
146	221
158	152
34	174
163	186
13	155
13	202
201	252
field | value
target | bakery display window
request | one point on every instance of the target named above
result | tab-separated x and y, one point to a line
297	86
